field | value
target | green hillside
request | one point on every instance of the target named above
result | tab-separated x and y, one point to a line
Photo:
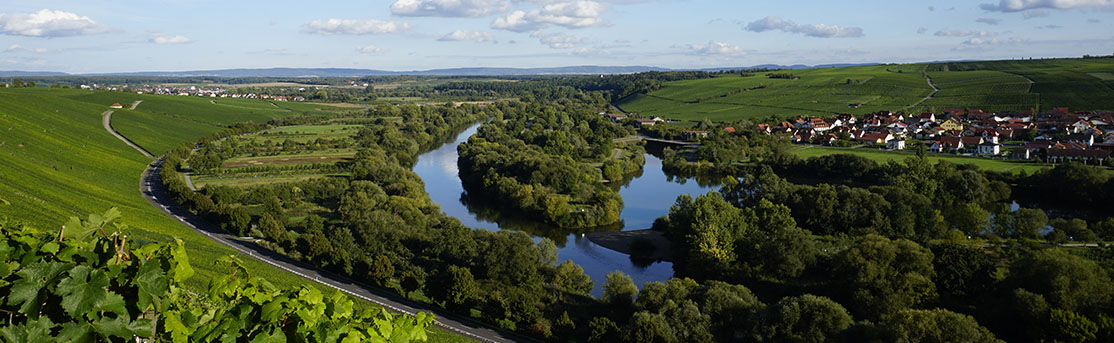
1080	84
57	161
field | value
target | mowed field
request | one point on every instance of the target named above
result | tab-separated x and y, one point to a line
806	151
57	161
1080	84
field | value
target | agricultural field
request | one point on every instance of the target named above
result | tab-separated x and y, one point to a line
814	91
57	161
1079	84
274	160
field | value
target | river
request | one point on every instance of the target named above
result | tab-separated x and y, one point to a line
646	198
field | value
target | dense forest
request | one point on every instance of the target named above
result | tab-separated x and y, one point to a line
538	160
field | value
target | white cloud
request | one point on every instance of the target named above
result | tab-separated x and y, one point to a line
447	8
989	21
559	40
335	26
716	48
48	23
569	14
370	49
1023	5
1035	14
817	30
921	30
977	41
467	35
961	33
20	48
160	39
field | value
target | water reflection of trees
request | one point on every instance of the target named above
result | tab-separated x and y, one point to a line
486	210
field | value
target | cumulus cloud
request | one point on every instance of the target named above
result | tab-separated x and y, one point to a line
961	33
817	30
467	35
160	39
1023	5
990	21
447	8
921	30
570	14
370	49
716	48
354	27
48	23
559	40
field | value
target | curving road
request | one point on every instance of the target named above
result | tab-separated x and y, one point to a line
152	188
106	118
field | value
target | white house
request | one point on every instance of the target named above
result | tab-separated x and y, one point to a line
897	144
989	149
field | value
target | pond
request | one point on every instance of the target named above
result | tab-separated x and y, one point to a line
646	197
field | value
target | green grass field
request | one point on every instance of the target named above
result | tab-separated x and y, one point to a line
806	151
1080	84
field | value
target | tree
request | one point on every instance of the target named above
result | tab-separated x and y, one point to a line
382	270
1023	223
238	222
881	276
936	326
619	290
1067	281
970	218
603	330
776	247
963	274
455	286
412	280
547	252
1068	326
648	327
732	308
570	277
272	229
807	318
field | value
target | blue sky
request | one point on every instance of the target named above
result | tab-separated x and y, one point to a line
162	35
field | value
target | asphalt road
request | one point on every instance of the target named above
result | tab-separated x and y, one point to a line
152	189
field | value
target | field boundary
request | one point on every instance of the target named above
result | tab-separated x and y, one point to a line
107	121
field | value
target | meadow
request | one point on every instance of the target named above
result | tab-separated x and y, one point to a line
880	156
994	86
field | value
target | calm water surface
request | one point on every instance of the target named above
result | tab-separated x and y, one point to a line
646	198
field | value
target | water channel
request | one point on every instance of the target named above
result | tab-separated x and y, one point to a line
646	198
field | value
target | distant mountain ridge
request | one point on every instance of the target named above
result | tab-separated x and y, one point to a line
349	72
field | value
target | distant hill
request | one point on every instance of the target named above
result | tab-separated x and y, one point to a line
348	72
15	73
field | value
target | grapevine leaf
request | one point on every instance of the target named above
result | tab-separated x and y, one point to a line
50	247
112	302
182	269
114	327
76	230
34	277
173	323
82	290
342	306
33	331
274	310
153	285
276	336
73	332
142	327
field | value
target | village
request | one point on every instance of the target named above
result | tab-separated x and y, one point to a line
1053	137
